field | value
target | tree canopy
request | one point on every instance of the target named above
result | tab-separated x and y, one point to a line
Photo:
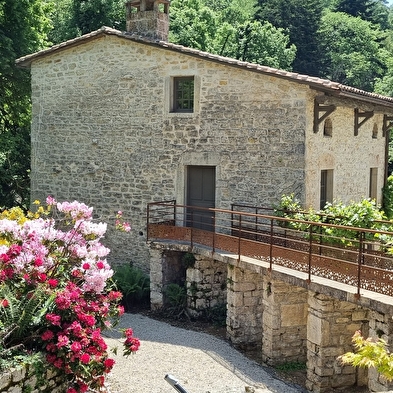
350	41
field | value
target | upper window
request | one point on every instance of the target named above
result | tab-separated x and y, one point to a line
375	131
328	127
183	94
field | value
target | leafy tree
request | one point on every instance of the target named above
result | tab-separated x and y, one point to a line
228	31
370	354
353	53
23	30
301	19
72	18
374	11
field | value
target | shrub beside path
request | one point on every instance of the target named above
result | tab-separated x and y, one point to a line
202	363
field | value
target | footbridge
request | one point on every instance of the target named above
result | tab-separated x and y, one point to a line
295	290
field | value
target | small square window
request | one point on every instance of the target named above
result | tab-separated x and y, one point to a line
183	94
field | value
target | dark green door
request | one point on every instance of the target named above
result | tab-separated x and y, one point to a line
201	192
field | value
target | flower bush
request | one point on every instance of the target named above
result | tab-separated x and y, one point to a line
56	294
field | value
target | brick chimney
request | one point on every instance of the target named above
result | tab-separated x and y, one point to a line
149	18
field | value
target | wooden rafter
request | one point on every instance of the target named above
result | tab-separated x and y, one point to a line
318	109
365	116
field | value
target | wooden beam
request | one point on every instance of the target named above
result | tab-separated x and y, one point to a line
387	123
318	108
361	115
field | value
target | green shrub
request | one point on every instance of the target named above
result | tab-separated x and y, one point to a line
134	284
175	299
387	192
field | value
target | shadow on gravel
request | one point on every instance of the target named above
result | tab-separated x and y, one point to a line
252	373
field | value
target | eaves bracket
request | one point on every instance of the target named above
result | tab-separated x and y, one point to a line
361	118
327	110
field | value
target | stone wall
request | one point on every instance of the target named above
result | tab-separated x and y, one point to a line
23	379
206	285
103	133
281	318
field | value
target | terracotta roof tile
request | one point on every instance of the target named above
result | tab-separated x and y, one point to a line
317	83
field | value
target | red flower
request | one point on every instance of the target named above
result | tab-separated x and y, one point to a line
100	265
38	262
109	363
47	335
86	266
85	358
4	303
53	282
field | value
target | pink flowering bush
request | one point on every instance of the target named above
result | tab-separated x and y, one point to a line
55	291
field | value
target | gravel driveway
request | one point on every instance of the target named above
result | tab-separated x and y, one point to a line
200	362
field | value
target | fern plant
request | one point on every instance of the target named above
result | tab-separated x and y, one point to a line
133	283
22	316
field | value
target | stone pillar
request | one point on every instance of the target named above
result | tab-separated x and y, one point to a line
284	322
206	284
244	313
381	326
331	325
156	295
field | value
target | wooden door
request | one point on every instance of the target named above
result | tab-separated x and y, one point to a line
201	192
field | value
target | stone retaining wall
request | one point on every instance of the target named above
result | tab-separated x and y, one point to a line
25	380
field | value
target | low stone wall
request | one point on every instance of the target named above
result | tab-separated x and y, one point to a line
25	380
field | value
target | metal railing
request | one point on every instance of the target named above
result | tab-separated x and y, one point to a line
349	255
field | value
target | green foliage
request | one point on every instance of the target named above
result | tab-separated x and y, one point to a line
216	314
363	214
226	28
72	18
188	260
175	298
23	316
352	49
24	27
133	283
387	204
301	20
291	366
370	354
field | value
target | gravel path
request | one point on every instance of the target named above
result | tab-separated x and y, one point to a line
200	362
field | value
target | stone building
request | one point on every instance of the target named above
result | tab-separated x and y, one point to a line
120	119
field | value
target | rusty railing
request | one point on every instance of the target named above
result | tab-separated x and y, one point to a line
355	257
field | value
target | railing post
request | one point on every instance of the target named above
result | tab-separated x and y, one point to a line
271	245
214	233
309	254
192	228
239	239
148	222
360	259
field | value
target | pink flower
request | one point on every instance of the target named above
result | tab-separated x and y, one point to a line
62	341
76	346
85	358
53	319
86	266
38	262
50	200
